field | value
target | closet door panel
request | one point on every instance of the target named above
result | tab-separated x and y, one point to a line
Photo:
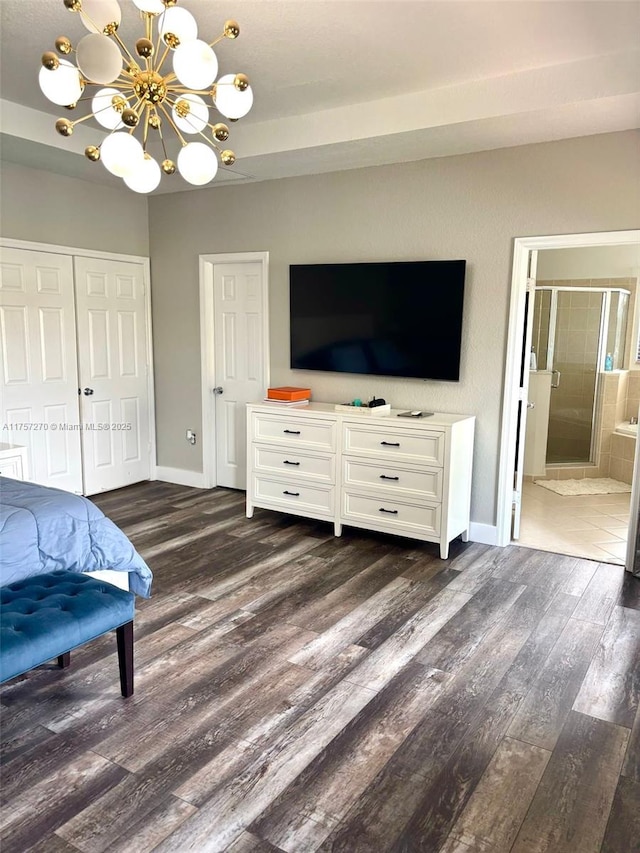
112	344
38	373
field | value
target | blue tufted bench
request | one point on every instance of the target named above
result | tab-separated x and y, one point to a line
45	616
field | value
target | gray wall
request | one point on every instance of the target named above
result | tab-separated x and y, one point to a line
48	208
469	206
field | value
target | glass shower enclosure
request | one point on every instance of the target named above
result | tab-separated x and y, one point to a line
574	330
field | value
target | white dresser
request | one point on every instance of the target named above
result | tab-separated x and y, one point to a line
411	477
13	461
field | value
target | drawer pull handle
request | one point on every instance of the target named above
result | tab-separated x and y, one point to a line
390	443
292	431
384	477
286	462
390	511
292	494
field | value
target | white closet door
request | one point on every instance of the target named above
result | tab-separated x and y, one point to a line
112	347
239	370
38	365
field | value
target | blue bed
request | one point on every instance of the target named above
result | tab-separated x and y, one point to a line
44	529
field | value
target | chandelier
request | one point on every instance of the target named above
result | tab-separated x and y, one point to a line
139	96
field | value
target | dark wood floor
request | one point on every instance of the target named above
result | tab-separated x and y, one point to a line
297	692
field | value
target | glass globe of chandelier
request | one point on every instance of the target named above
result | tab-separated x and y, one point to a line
138	94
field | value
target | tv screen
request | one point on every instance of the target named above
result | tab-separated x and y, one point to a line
400	318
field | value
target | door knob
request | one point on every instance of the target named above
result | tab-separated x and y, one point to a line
531	405
217	389
88	392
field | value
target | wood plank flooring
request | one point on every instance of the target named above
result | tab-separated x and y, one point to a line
296	692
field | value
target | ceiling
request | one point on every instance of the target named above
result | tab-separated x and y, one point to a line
342	84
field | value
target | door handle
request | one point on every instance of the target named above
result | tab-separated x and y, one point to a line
218	389
531	405
555	384
88	392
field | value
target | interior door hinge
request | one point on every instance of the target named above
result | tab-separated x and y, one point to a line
516	498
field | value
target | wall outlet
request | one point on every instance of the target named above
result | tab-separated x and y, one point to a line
191	436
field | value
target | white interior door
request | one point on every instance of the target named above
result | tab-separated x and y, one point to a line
39	368
239	364
113	372
524	395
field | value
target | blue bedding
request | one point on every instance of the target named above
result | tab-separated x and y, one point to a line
44	529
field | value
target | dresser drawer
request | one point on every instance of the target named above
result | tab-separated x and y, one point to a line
423	484
389	514
293	496
425	446
293	465
310	433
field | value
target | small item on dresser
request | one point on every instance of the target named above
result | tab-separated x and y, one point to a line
415	414
288	393
363	408
287	402
377	401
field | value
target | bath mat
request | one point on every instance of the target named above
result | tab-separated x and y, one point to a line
588	486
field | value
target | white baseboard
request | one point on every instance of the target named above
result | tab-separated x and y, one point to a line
180	476
485	534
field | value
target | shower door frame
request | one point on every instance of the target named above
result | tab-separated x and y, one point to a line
514	406
605	313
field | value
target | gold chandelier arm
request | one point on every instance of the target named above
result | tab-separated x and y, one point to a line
164	56
124	48
84	118
117	84
173	124
92	22
164	147
145	132
209	141
159	42
182	90
148	32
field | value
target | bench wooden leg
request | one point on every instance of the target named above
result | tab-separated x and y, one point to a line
125	658
64	660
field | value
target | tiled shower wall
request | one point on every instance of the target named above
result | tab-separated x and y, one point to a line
618	397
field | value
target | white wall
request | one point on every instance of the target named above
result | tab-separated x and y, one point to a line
47	208
469	206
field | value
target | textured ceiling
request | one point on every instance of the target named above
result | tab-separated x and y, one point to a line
347	83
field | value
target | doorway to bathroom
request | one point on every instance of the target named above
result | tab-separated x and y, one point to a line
572	387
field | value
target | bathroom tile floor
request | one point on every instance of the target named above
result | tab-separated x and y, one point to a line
590	526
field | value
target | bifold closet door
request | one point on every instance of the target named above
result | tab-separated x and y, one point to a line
113	369
39	393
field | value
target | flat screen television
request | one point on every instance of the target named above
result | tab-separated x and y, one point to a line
401	318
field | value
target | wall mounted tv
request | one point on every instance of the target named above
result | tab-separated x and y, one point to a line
401	318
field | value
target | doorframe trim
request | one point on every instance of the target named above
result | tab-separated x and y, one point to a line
29	245
207	360
508	434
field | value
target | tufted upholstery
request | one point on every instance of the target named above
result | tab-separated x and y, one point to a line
44	616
